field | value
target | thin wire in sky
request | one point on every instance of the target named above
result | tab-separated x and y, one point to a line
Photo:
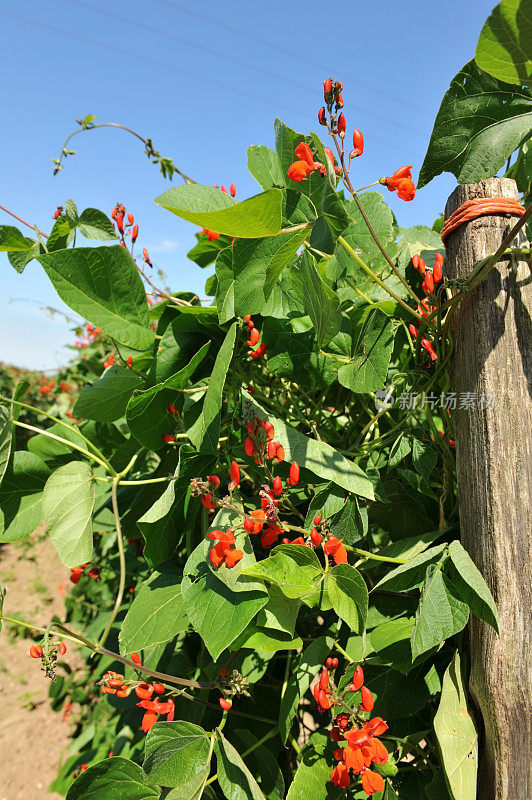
144	27
289	53
163	65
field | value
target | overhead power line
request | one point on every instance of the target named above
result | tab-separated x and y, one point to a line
289	53
144	27
194	77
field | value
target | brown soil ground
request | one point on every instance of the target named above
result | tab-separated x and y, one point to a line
32	736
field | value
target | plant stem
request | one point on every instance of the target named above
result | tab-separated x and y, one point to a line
94	457
122	558
33	227
72	637
376	278
58	421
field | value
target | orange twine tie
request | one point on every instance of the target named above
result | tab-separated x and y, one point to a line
478	207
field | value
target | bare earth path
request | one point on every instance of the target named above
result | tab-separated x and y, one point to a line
32	736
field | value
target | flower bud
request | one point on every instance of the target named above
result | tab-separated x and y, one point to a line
134	233
235	473
321	116
358	678
279	453
358	143
278	486
248	445
232	190
225	703
327	90
130	219
293	478
367	698
413	330
341	126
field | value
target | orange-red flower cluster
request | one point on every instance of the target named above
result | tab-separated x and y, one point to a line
363	749
401	182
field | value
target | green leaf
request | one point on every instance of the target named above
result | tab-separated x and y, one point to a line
217	614
371	356
235	779
262	762
68	502
456	735
264	166
279	613
6	440
318	457
412	574
481	121
177	754
19	259
327	501
301	676
322	304
312	780
295	569
424	458
94	224
248	272
147	412
206	430
213	209
440	613
111	779
351	524
504	48
106	399
471	586
348	595
164	524
267	641
103	286
21	496
205	252
12	240
156	615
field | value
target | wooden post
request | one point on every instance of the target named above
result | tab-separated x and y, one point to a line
492	331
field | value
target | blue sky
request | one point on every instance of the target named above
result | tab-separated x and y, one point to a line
204	80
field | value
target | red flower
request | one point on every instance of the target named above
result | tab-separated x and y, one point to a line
207	501
340	776
278	486
304	165
334	547
222	551
372	781
255	522
270	535
401	182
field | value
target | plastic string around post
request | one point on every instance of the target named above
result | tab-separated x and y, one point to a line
478	207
